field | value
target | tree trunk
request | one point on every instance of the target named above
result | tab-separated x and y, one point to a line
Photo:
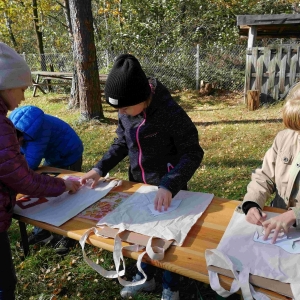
11	34
74	95
39	35
86	59
253	99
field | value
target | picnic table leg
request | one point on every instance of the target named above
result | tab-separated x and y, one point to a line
24	238
36	86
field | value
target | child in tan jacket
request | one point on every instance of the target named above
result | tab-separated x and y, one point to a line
279	174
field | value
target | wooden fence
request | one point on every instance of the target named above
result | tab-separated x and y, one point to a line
272	70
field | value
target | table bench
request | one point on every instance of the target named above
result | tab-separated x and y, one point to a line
187	260
41	80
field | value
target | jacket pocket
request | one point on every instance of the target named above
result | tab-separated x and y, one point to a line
286	156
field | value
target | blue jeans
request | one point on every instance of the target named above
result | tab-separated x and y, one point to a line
8	279
170	279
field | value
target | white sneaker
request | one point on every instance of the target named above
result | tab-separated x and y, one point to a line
130	291
167	294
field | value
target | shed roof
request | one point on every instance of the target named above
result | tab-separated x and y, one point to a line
270	26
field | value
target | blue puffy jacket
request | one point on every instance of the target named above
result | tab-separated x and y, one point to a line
47	137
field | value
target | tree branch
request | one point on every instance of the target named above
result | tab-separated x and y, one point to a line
57	20
59	3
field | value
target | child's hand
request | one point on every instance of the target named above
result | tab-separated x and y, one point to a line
280	222
90	175
72	186
162	198
256	216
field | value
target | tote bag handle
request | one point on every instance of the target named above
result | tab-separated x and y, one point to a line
241	279
155	253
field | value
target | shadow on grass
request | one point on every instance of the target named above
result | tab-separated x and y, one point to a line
57	100
193	100
238	122
110	121
188	288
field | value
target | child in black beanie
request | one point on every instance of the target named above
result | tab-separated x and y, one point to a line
161	142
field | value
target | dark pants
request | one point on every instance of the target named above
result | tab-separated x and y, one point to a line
76	166
8	279
170	279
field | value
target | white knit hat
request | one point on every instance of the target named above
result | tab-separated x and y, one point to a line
14	71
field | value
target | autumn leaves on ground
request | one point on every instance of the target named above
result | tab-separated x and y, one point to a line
234	140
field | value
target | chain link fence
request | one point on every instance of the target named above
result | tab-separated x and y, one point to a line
177	69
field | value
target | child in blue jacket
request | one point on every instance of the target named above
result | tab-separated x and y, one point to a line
161	142
47	137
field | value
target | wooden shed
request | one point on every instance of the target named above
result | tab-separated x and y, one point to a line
274	69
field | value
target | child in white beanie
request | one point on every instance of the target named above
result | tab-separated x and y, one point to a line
15	175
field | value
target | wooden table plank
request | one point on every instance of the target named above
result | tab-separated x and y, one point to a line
47	75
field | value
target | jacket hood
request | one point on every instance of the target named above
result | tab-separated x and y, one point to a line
160	94
28	119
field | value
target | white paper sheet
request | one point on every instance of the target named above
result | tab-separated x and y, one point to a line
289	242
174	204
58	210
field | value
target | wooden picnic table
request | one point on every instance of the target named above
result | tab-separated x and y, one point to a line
42	77
187	260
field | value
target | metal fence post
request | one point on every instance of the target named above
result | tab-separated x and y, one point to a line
107	60
197	68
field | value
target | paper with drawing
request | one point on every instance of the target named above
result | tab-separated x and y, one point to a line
101	208
289	242
58	210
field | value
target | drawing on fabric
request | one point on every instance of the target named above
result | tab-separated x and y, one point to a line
101	208
289	242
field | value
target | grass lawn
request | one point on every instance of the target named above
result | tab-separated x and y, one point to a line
234	141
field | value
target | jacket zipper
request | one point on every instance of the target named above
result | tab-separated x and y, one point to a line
140	149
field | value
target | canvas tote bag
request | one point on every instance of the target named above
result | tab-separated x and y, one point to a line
239	252
135	215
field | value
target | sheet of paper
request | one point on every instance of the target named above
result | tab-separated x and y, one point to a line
174	204
101	208
289	242
58	210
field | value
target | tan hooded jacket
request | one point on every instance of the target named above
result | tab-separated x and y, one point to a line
281	165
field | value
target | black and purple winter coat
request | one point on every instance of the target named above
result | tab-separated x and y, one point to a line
162	144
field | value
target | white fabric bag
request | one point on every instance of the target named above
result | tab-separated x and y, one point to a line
239	252
135	215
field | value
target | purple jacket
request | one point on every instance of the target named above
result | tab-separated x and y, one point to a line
15	175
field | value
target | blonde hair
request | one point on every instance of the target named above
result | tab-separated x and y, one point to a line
291	110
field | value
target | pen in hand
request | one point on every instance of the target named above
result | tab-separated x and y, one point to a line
259	210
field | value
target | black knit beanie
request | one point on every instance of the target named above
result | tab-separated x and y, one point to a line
126	84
